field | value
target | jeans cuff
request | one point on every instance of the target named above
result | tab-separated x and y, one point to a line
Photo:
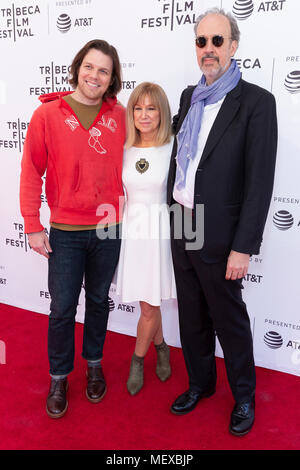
59	377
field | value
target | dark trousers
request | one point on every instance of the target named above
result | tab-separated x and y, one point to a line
210	305
76	256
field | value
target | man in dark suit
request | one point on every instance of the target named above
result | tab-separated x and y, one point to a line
223	159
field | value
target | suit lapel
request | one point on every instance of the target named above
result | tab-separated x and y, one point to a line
225	116
185	107
184	110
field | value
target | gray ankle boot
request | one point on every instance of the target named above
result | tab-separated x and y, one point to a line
136	375
163	368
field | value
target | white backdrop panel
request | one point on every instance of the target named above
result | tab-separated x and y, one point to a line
154	39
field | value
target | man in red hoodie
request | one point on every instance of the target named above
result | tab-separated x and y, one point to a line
77	138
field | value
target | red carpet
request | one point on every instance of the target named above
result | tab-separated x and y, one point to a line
122	422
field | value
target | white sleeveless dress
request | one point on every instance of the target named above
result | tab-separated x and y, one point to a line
145	270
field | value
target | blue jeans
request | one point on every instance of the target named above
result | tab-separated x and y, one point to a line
78	256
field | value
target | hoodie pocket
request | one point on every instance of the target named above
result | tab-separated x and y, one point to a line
88	186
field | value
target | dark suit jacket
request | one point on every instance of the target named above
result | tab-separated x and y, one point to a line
234	179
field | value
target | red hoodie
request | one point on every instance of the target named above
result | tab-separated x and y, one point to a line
84	166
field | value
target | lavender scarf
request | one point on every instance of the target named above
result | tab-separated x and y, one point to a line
187	137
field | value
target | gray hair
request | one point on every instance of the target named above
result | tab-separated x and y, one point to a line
235	32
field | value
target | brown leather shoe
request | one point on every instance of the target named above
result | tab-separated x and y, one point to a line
96	386
57	402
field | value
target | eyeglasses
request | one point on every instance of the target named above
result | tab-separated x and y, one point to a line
217	41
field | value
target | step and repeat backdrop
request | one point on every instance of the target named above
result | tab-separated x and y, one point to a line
155	41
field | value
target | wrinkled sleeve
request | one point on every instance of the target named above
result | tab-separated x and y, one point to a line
33	167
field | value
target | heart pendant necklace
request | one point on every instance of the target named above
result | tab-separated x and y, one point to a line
142	165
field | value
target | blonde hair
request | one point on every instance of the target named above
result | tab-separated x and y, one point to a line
159	99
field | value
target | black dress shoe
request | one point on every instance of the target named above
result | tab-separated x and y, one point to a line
96	386
57	403
242	418
188	401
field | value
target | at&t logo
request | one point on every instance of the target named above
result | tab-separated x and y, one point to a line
273	340
64	22
243	9
126	308
292	82
257	278
283	220
111	304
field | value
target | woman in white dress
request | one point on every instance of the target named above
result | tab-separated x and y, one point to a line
145	271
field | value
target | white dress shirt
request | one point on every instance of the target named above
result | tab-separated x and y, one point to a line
185	196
